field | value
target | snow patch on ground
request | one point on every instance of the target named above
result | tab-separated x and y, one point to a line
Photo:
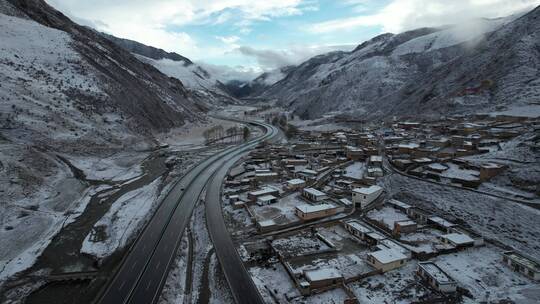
482	272
122	220
118	167
509	222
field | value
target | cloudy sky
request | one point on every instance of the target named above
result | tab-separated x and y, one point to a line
250	36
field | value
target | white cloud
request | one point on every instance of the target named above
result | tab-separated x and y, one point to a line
150	22
401	15
228	39
271	59
227	73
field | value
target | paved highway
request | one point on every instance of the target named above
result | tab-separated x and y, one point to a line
142	274
242	287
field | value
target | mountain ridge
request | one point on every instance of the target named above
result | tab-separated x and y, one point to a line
385	75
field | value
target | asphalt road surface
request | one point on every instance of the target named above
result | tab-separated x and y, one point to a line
241	285
142	274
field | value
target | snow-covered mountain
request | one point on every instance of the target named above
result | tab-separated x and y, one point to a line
484	64
61	82
78	115
255	87
193	76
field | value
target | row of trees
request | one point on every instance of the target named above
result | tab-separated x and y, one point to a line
281	120
232	134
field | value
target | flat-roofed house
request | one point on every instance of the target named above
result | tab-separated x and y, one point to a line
375	172
308	212
252	196
375	161
386	259
441	224
374	238
403	227
356	228
295	184
306	174
323	277
436	277
346	202
365	196
402	163
458	240
295	161
522	264
354	153
489	170
314	195
266	176
407	148
419	215
399	205
266	200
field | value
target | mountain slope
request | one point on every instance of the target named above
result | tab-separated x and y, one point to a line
392	70
255	87
78	116
501	72
150	100
192	75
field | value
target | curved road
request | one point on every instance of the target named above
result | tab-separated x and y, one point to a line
141	276
242	287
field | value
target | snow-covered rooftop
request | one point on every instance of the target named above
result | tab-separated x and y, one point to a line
386	256
441	221
314	192
308	172
406	223
458	238
346	202
375	158
296	181
356	225
437	167
314	208
369	190
376	236
322	274
436	272
265	198
397	203
263	191
409	146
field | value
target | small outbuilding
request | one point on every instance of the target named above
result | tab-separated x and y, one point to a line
522	264
365	196
386	259
458	240
314	195
266	200
324	277
436	277
308	212
295	184
403	227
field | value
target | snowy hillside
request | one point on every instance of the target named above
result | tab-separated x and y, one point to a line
68	93
386	74
194	77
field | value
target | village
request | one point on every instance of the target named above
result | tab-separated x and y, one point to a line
316	224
